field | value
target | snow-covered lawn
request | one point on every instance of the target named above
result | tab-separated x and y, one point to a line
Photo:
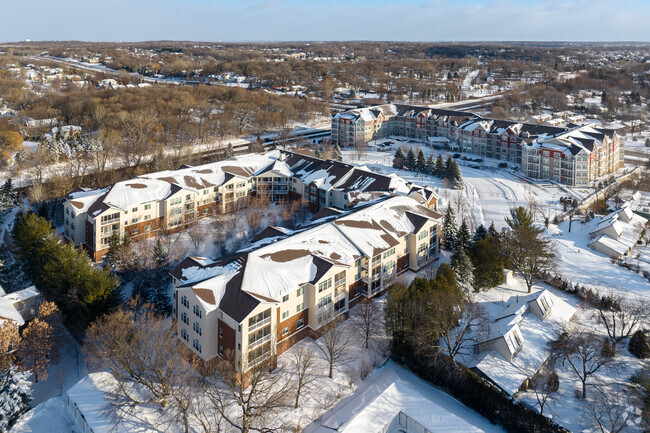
565	408
581	264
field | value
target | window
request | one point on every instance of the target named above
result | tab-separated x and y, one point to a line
134	220
72	226
135	209
197	346
175	211
197	311
67	211
300	306
188	197
205	192
285	298
185	335
339	279
300	291
197	328
185	302
110	217
147	206
285	315
300	323
134	231
147	228
285	330
325	285
175	201
147	217
326	300
259	318
184	318
389	253
220	332
423	234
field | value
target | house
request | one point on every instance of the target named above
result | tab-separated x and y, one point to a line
88	401
515	346
288	285
20	306
393	399
618	232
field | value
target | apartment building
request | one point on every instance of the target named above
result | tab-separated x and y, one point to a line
170	200
578	156
257	303
515	142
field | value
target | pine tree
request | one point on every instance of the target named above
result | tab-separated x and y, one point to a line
111	257
12	275
152	287
639	344
399	160
337	153
421	163
463	269
8	197
159	254
449	229
440	168
15	395
410	160
492	230
431	165
453	174
480	233
488	263
463	237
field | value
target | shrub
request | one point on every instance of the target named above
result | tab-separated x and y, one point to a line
639	345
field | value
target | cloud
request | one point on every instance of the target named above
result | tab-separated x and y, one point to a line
264	20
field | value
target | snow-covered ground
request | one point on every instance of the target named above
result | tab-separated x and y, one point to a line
581	264
489	192
565	408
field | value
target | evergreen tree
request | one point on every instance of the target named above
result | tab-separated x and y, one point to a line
639	344
463	270
152	287
8	197
421	163
410	160
12	275
488	264
440	168
431	165
111	257
159	254
463	237
15	395
492	231
449	229
454	175
480	233
399	160
337	153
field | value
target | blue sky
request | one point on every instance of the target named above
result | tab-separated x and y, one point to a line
279	20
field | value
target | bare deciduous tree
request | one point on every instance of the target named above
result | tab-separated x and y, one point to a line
611	410
255	397
583	350
304	360
367	320
334	343
458	336
545	384
621	316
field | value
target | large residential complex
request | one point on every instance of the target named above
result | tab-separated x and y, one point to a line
167	201
574	155
260	301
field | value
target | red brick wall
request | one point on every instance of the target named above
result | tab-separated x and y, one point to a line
293	336
402	263
226	336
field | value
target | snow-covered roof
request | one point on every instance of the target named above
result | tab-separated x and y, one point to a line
392	390
274	266
89	395
8	303
536	334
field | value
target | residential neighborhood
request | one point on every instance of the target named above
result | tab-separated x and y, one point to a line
397	217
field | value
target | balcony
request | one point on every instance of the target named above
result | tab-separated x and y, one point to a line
259	342
110	221
339	294
255	361
259	324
